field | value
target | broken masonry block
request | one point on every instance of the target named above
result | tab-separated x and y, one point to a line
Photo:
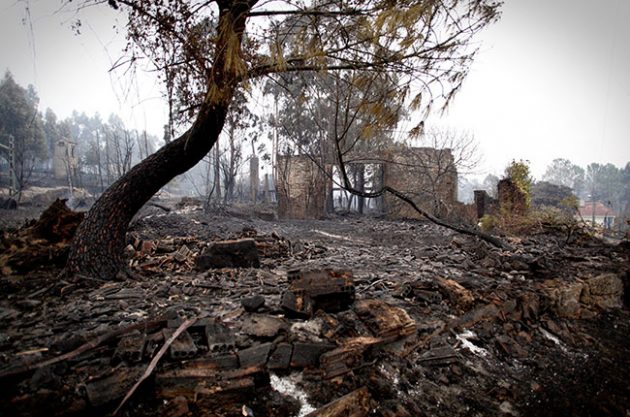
130	348
306	355
272	246
253	304
385	321
240	253
183	347
354	404
220	338
255	356
299	306
293	275
152	344
281	357
328	290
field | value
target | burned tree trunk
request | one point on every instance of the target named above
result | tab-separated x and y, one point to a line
98	245
97	248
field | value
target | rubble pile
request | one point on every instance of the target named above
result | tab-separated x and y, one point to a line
337	317
40	243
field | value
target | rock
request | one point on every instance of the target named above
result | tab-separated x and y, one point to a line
264	326
566	299
240	253
603	291
253	304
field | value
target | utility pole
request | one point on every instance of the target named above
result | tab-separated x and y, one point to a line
11	149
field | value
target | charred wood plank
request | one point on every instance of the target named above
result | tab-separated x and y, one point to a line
281	357
385	321
306	355
241	253
113	387
354	404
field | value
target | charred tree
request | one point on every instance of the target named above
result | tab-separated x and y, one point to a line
97	248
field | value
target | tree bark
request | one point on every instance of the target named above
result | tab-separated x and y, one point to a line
97	248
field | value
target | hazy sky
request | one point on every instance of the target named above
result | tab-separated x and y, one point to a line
552	78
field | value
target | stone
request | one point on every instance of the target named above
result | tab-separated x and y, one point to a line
253	304
264	326
567	300
604	291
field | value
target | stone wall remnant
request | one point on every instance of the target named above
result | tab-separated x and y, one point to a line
301	188
426	175
511	199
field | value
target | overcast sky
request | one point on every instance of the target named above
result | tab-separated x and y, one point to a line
552	78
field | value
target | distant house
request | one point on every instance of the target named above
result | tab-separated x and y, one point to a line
602	213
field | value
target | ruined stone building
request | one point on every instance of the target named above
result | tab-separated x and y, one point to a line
307	187
64	159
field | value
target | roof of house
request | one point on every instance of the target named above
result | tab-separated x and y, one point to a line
601	210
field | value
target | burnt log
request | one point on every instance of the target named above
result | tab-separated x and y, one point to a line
240	253
328	290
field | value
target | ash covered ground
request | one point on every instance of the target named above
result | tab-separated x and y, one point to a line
437	324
